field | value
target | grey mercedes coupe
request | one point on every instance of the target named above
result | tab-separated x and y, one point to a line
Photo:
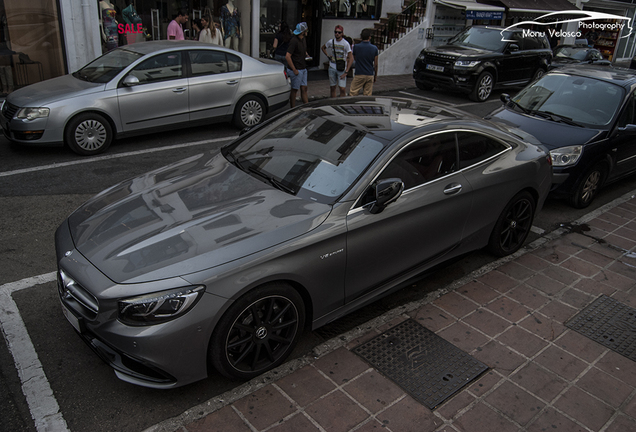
144	87
222	259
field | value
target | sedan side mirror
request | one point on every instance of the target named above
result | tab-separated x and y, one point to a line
130	81
386	192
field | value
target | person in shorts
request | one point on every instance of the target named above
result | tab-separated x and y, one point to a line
338	51
297	65
365	55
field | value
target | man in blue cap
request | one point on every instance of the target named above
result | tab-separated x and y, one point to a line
296	61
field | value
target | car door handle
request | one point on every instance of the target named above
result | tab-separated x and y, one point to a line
179	90
452	188
232	82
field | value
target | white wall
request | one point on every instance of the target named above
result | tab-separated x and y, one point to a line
398	59
80	22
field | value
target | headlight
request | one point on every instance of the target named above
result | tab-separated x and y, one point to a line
467	63
565	156
32	113
159	307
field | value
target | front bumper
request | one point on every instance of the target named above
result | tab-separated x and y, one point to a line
29	132
456	79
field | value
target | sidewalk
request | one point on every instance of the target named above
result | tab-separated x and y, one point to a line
319	88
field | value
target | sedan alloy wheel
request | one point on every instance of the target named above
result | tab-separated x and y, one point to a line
513	225
89	134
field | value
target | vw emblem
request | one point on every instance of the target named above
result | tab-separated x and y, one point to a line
261	333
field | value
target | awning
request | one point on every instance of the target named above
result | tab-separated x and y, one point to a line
474	10
538	6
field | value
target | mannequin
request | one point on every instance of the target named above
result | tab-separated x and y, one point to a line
130	16
231	23
109	25
345	6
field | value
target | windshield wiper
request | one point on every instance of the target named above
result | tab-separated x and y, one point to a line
234	159
271	180
557	118
517	105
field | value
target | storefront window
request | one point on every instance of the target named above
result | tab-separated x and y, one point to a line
272	14
30	43
351	9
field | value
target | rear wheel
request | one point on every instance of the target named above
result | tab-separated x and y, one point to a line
588	186
249	112
483	88
258	332
513	225
89	134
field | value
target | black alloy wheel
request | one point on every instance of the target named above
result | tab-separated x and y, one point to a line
483	87
588	187
258	332
513	225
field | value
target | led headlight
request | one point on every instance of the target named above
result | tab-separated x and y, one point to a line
159	307
566	156
467	63
32	113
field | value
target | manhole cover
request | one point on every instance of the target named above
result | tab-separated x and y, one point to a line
425	365
610	323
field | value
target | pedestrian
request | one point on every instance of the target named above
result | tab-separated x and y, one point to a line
296	62
365	55
175	28
209	33
281	42
338	51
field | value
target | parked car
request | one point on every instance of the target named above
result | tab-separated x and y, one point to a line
142	87
480	59
223	258
566	55
585	116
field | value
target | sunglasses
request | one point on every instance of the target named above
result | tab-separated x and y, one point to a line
337	32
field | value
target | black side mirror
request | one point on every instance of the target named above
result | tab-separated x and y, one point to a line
505	98
386	191
513	47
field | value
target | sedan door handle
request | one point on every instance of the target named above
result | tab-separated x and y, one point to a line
452	188
179	90
232	82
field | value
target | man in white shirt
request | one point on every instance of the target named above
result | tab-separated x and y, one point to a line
338	51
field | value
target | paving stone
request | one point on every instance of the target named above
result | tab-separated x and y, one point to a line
603	225
486	321
539	381
622	424
605	387
508	309
552	420
224	419
624	270
629	298
478	292
484	383
619	367
561	363
606	250
545	284
498	280
373	391
451	407
614	280
305	385
622	212
528	296
533	262
463	336
543	326
580	267
341	365
619	241
561	274
264	407
372	425
522	340
481	418
455	304
580	346
557	251
613	218
516	271
297	423
432	317
558	311
576	298
515	402
336	412
595	258
585	408
409	416
630	408
594	287
626	233
498	357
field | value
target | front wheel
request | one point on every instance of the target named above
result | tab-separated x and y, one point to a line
483	88
89	134
538	74
588	187
249	112
258	332
513	225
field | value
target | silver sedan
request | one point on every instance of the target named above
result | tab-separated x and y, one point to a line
145	87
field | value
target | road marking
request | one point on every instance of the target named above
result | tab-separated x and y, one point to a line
35	386
113	156
426	98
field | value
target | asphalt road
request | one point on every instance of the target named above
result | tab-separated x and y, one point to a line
41	187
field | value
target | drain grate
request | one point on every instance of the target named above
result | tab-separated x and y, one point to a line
425	365
610	323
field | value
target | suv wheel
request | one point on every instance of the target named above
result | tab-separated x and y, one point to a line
483	87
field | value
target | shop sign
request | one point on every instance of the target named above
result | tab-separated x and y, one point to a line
484	15
130	28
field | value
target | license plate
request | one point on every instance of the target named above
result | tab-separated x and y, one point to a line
70	316
435	68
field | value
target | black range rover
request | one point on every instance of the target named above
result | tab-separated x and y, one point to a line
479	59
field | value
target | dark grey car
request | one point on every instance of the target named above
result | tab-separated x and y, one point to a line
224	258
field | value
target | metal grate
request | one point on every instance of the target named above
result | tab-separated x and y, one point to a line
425	365
610	323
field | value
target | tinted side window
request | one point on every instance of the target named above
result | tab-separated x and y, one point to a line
628	116
161	67
474	148
207	62
423	161
530	43
234	63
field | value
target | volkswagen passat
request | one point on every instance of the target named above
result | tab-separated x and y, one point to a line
222	259
141	87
